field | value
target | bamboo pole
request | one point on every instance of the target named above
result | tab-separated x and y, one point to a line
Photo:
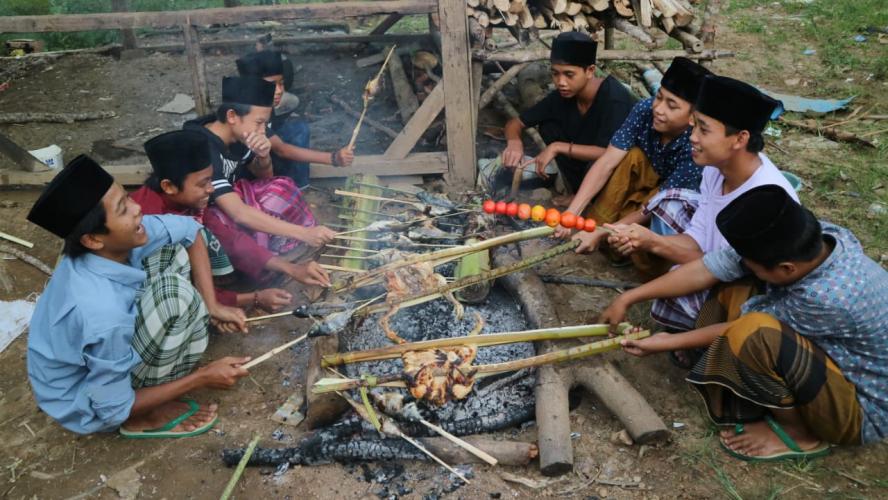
238	472
16	239
269	354
481	371
492	339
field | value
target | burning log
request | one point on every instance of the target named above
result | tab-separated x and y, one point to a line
554	382
349	450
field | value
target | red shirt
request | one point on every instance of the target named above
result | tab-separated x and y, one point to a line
154	203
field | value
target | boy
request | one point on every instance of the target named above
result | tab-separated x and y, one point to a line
267	209
651	151
119	327
576	120
807	362
180	184
729	117
289	138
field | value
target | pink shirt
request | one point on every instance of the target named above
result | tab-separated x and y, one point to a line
712	201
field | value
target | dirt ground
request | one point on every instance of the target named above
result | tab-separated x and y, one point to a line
38	459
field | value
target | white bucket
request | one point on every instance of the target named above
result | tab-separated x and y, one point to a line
51	156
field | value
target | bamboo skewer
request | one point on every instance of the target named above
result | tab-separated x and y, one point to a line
419	206
341	247
269	354
481	371
330	267
369	91
269	316
491	339
16	239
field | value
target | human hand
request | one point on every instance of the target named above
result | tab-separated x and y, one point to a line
317	236
309	273
513	155
589	241
223	373
272	299
658	342
615	313
543	159
346	156
627	240
258	143
228	319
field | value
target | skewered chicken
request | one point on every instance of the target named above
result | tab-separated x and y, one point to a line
412	281
439	375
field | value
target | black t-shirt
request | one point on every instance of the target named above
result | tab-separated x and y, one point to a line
559	119
229	164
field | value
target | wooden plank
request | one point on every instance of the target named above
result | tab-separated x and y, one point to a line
407	101
127	36
386	24
458	91
297	40
135	174
203	17
603	55
424	116
201	91
20	155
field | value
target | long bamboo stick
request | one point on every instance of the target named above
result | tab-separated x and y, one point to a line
492	339
447	253
16	239
351	194
269	316
330	267
369	90
269	354
481	371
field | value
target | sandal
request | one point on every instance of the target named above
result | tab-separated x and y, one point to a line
794	451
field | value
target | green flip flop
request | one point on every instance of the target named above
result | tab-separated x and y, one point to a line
794	451
165	431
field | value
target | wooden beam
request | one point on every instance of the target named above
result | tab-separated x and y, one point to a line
603	55
297	40
407	101
201	91
458	91
424	116
386	24
127	36
135	174
203	17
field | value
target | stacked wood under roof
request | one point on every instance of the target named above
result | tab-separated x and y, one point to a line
651	22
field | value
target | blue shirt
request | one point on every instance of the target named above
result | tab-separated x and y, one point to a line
80	351
842	306
672	161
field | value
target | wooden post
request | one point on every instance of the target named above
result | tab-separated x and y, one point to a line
127	36
198	69
386	24
710	18
407	101
458	95
609	30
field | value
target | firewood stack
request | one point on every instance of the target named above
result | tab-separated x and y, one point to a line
649	21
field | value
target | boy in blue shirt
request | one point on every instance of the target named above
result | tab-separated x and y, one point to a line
119	327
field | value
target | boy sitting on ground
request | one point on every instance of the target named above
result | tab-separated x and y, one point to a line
269	210
119	328
647	174
804	364
289	138
180	184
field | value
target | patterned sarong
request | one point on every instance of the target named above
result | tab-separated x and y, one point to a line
761	363
278	197
629	188
171	319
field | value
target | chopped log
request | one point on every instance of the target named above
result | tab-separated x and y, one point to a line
603	55
634	31
643	10
516	6
554	382
20	155
580	23
369	121
321	409
688	41
502	5
831	133
623	8
483	18
573	8
525	18
683	16
54	117
539	21
565	22
599	5
559	6
668	24
666	8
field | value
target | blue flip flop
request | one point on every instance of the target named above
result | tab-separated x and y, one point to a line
793	453
165	431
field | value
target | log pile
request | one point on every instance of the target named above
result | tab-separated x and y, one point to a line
649	21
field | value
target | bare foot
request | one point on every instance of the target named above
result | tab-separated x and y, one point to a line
758	440
167	412
563	200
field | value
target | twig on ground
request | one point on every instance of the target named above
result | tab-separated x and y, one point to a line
229	489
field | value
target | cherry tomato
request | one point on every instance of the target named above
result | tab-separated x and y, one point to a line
589	225
501	207
568	220
524	211
553	217
489	206
512	209
579	223
538	213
